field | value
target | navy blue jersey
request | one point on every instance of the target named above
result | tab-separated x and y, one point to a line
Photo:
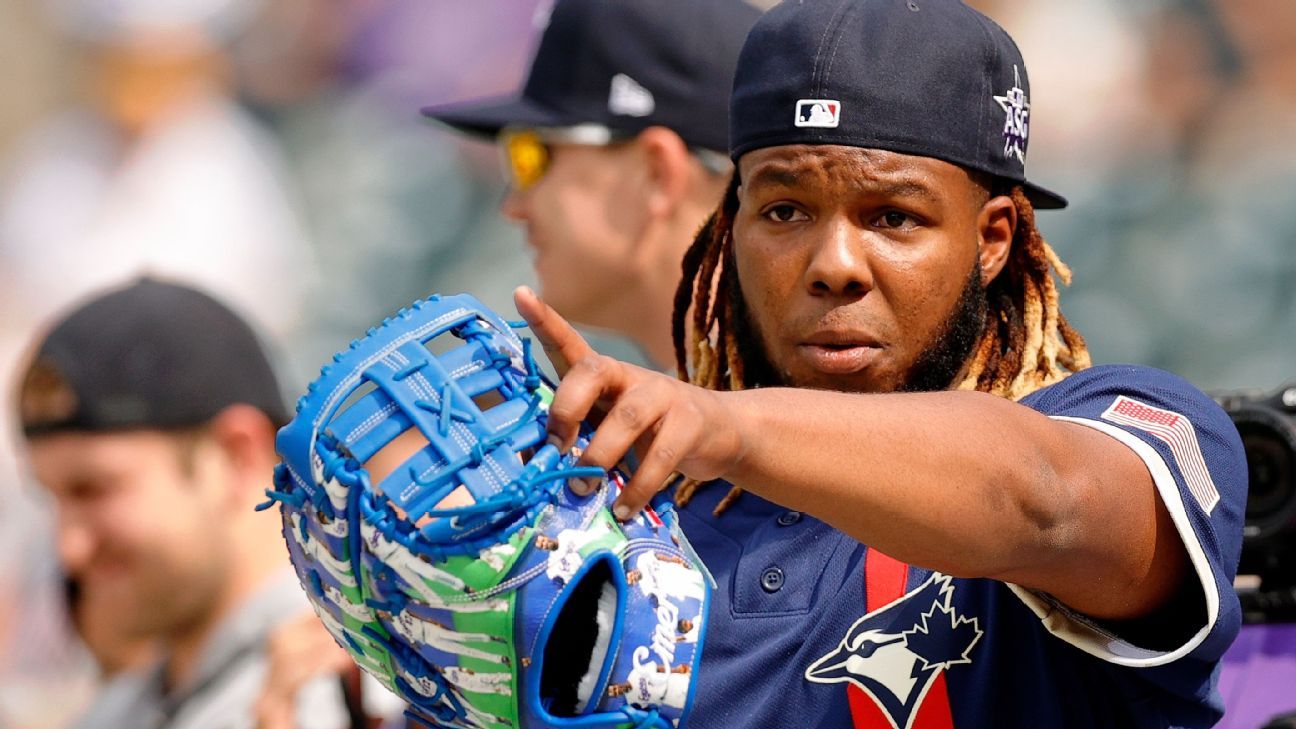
809	628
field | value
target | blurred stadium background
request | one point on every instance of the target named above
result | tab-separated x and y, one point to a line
272	150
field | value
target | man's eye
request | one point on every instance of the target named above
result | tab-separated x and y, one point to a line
894	219
784	214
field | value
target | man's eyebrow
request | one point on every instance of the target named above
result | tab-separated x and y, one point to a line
777	176
899	187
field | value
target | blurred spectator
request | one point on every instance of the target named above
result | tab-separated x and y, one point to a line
31	46
155	465
153	169
1185	105
395	211
158	171
617	151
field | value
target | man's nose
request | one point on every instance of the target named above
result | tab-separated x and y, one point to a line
513	206
76	543
839	264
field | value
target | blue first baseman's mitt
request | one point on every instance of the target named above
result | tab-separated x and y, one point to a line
432	528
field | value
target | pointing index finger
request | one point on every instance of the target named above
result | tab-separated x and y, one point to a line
562	343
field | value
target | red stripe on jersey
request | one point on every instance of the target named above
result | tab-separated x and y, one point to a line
884	583
865	713
884	580
934	712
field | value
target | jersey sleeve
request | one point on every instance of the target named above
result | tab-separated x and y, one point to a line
1196	459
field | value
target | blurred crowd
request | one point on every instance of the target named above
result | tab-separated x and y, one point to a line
1168	124
271	152
268	152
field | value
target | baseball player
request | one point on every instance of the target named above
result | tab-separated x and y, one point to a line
473	719
483	683
614	151
434	635
651	683
564	552
665	577
922	505
318	551
414	571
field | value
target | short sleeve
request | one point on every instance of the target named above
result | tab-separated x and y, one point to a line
1196	459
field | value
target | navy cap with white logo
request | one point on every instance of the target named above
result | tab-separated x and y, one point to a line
625	65
933	78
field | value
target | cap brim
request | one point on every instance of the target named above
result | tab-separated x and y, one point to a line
487	117
1043	199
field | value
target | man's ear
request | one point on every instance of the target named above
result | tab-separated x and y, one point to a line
996	227
245	437
669	167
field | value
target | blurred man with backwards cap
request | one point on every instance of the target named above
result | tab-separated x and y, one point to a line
149	416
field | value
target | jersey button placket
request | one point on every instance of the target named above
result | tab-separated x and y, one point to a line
772	580
788	518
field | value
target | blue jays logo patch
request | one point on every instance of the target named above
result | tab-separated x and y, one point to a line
894	653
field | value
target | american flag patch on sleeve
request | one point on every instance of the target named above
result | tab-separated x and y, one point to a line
1177	432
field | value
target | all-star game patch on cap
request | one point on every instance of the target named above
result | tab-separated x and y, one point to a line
626	65
933	78
150	355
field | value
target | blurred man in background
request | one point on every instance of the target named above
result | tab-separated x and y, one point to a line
149	415
152	167
615	147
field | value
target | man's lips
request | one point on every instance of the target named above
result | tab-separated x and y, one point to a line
840	339
839	353
838	360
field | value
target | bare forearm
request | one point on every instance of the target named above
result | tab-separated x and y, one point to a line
963	482
953	481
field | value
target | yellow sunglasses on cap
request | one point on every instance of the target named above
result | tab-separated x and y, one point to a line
526	150
527	153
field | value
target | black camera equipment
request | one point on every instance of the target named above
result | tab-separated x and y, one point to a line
1267	424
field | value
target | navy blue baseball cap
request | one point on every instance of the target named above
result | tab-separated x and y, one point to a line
932	78
626	65
148	355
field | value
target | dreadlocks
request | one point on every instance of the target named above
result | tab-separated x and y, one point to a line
1026	342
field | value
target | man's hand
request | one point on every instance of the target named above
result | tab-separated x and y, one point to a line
298	650
673	426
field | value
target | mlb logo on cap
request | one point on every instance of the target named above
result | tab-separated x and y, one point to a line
936	78
825	113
